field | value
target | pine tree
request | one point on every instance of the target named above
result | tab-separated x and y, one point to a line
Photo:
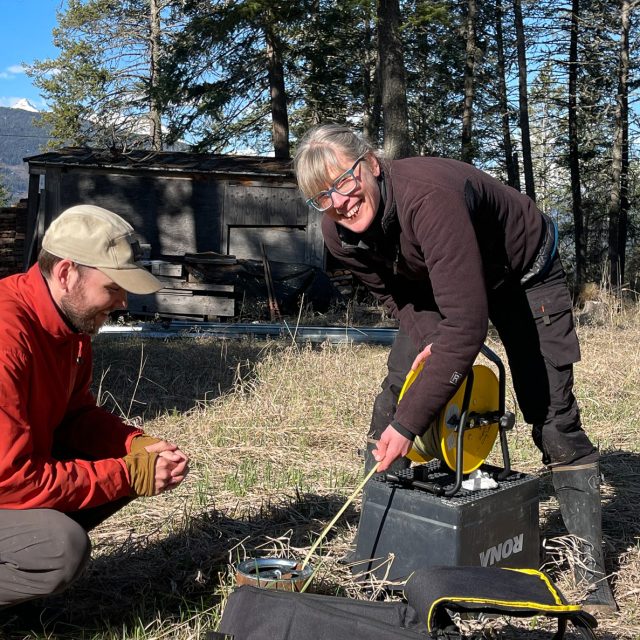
393	80
619	198
226	74
102	88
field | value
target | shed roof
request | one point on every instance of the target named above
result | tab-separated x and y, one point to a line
171	161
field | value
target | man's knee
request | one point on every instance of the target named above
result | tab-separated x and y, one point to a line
70	552
43	552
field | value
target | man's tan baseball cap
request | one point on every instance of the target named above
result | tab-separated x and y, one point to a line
95	237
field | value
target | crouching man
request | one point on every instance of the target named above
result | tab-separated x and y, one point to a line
65	463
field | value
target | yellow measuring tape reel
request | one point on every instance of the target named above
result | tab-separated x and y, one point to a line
441	439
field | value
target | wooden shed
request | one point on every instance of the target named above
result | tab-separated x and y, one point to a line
181	203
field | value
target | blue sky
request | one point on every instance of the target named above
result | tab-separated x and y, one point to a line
25	36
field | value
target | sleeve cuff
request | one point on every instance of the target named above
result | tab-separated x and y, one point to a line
403	431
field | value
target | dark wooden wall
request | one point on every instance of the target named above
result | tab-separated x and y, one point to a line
173	215
191	213
13	224
273	215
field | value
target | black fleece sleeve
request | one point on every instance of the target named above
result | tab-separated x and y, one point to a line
441	224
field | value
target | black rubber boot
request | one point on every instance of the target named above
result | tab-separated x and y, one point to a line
578	492
369	463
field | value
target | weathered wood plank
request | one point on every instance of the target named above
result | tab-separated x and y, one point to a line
32	230
174	283
176	292
283	244
189	305
162	268
275	204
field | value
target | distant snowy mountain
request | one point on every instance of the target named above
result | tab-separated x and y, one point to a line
19	137
25	105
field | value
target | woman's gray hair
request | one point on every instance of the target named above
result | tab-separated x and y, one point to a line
316	155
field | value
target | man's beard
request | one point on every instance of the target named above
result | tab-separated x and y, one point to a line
82	319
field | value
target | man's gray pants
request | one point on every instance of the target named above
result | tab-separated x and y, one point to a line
42	551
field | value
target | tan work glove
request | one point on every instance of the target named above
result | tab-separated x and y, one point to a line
138	443
142	472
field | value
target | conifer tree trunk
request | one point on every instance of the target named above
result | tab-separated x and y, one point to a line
513	179
527	161
279	115
155	109
468	152
618	202
372	95
371	84
393	80
315	90
574	165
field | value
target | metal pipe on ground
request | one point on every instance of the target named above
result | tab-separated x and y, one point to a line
315	335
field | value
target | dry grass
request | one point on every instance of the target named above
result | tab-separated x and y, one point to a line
273	430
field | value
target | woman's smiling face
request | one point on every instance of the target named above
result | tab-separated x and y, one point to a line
357	210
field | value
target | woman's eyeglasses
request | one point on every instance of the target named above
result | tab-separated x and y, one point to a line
344	184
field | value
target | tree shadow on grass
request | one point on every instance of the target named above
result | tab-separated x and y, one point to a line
145	378
170	581
620	505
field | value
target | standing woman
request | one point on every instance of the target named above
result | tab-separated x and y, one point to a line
446	248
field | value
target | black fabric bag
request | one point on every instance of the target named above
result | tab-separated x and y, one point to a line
264	614
523	593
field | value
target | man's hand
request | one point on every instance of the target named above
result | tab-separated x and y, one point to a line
172	465
391	446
